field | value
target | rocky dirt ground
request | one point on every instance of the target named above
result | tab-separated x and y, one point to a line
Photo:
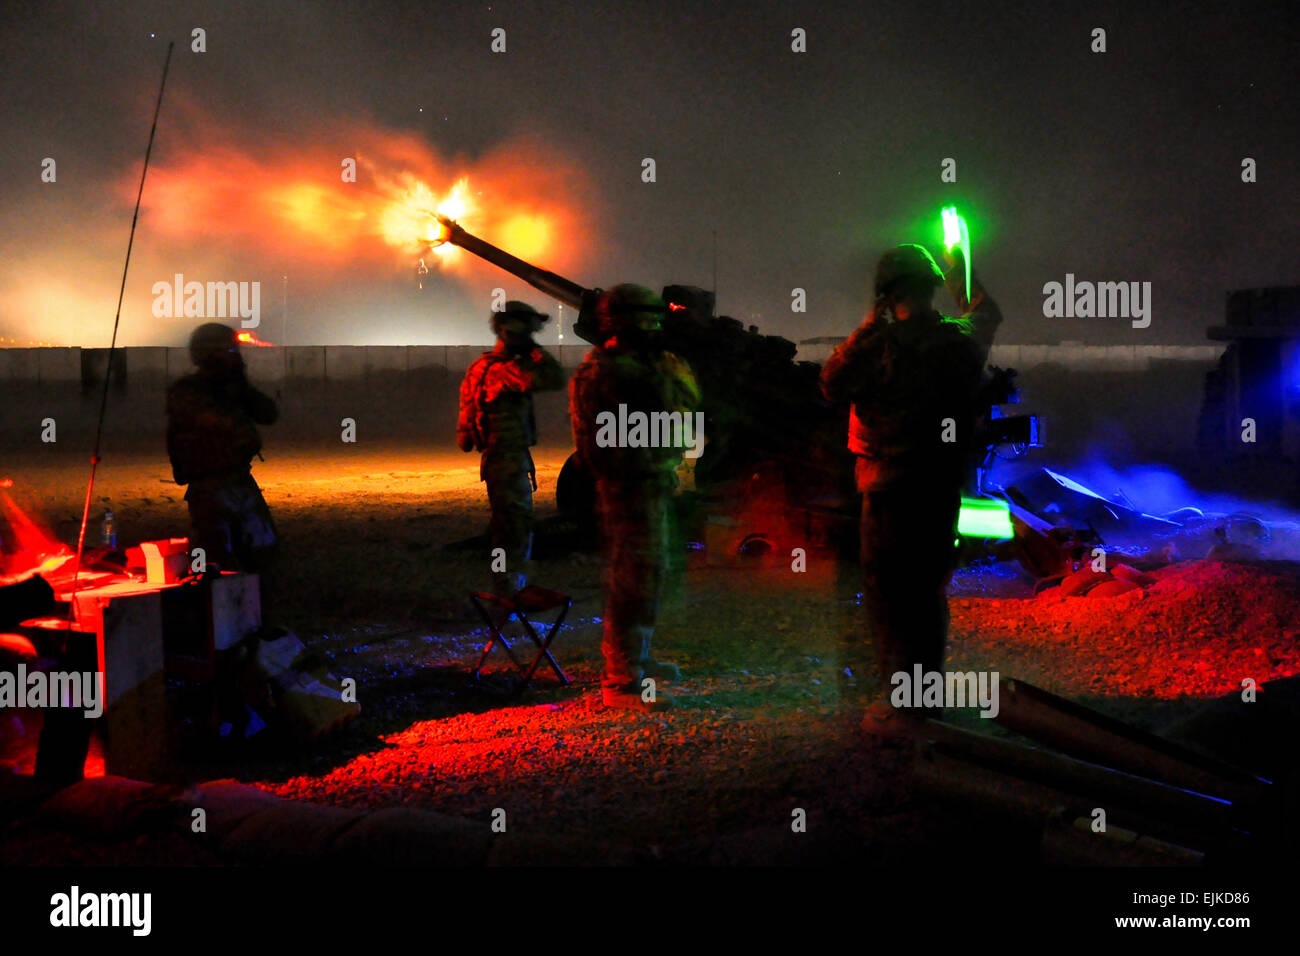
763	725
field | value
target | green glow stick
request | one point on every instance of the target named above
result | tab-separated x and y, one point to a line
955	233
984	518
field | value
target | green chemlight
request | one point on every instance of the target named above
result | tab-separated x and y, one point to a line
984	518
951	227
957	234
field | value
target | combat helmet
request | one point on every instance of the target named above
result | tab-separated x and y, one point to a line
629	308
519	318
211	342
907	262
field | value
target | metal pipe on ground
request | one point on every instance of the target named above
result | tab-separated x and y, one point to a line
1174	813
1089	735
1078	775
984	790
987	791
1069	842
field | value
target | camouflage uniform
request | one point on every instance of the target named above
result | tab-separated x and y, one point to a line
634	489
212	419
496	418
905	378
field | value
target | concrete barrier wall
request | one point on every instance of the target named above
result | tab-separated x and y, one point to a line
1108	358
145	364
425	356
571	356
339	362
304	362
59	365
407	391
22	365
460	357
265	365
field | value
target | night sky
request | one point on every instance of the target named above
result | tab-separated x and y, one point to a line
1122	166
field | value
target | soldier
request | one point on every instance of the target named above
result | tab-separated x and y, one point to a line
634	485
496	418
212	419
913	380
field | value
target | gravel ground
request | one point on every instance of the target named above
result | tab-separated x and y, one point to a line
761	726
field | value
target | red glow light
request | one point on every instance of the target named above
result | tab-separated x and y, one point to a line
38	549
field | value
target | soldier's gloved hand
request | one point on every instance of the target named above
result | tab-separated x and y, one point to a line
518	344
236	385
878	310
953	257
874	319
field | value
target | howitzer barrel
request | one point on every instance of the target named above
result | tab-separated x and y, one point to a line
556	286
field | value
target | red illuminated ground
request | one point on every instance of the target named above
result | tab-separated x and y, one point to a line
1198	631
758	729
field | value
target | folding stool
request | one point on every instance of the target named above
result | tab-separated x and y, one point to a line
534	600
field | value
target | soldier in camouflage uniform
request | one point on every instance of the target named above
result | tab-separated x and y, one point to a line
634	486
913	379
212	419
496	418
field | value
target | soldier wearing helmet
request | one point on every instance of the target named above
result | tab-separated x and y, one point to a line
912	375
212	437
634	485
496	419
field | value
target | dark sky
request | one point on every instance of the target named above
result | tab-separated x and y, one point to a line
1117	166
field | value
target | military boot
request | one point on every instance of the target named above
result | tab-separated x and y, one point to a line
631	698
884	721
659	670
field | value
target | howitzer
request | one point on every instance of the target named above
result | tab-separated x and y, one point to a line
771	438
556	286
763	409
689	308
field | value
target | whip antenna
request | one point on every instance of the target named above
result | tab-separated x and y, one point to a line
112	347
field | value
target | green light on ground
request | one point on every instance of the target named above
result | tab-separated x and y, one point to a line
984	518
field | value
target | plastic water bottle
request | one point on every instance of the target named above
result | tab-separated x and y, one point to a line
108	531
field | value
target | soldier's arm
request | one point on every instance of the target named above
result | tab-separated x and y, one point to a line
663	383
547	375
537	371
174	436
259	406
598	390
979	310
682	391
849	367
467	438
191	409
582	400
